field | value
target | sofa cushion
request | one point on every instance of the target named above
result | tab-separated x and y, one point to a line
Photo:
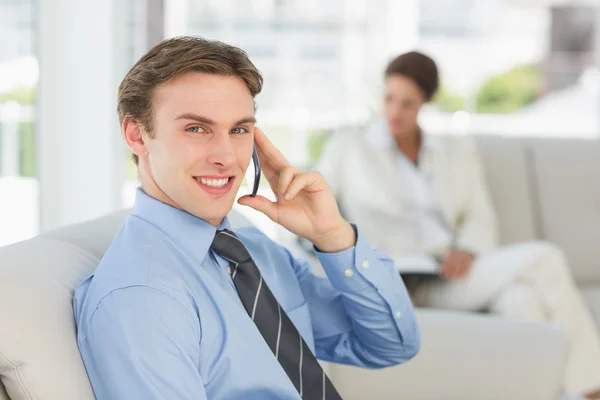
467	357
568	183
506	162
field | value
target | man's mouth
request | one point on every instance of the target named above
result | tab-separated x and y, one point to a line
217	182
215	185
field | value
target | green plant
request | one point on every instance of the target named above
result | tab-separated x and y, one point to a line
27	165
510	91
22	95
316	142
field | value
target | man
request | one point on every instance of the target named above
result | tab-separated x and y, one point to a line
180	306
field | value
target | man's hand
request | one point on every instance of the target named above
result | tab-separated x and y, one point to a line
305	205
457	264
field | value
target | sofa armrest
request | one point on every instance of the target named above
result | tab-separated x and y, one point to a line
467	356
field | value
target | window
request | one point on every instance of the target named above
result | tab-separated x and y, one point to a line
18	79
507	67
526	68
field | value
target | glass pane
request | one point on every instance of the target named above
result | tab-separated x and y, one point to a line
18	79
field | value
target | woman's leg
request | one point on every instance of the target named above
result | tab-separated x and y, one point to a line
551	284
533	281
519	301
490	274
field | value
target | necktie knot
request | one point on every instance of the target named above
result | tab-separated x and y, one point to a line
227	245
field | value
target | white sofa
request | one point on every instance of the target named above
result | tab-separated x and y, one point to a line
542	189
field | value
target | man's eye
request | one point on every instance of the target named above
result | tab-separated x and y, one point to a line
237	131
196	129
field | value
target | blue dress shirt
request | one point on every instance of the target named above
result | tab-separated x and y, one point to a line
160	318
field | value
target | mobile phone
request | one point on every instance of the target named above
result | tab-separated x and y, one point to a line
257	172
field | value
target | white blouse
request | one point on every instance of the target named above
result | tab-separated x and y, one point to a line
427	226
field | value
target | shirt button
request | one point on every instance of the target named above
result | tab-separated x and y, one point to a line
398	314
365	264
229	270
349	273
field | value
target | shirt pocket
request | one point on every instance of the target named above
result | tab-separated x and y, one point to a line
300	317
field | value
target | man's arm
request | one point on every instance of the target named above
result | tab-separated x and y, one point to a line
362	315
141	343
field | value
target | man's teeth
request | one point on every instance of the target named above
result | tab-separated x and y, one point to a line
217	183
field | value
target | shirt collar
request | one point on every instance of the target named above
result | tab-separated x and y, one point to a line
194	235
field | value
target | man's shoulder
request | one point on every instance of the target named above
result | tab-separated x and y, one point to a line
136	261
137	251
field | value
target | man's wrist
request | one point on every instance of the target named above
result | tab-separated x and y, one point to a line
341	239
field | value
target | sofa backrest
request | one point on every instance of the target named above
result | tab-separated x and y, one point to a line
547	188
568	185
506	163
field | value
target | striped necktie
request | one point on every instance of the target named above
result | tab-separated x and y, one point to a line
277	329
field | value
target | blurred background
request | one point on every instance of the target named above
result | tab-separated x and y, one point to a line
509	67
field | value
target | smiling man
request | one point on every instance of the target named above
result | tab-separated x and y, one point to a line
182	306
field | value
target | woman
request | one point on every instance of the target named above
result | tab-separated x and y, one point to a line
424	201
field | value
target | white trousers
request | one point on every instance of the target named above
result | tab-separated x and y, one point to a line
533	281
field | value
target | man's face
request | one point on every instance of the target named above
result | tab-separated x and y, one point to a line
203	128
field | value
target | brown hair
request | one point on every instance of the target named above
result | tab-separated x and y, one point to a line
418	67
174	57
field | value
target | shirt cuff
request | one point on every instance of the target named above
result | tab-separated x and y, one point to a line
350	269
362	269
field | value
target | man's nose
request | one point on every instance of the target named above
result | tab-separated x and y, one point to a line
221	152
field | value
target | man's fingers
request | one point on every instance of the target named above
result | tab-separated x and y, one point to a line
300	182
286	176
262	204
271	154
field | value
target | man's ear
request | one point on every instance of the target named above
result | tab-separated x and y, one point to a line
135	136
